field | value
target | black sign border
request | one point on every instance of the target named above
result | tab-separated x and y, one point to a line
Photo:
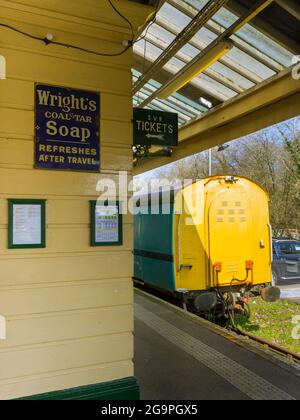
154	142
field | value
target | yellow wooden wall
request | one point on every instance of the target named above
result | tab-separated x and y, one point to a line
68	307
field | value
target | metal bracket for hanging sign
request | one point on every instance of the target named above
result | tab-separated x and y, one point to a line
143	152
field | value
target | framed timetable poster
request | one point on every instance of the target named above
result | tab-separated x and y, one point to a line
106	224
26	224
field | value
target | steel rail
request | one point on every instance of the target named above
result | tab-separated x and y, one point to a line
266	343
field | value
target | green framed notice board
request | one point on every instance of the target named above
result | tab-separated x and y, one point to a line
26	224
106	224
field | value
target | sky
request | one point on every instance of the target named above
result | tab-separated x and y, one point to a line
270	131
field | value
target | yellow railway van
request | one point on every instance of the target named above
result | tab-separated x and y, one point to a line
208	243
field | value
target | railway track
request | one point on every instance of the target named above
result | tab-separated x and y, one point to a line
291	356
269	345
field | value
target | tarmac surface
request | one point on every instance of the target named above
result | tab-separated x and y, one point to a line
178	357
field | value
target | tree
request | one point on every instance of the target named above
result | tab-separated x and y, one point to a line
270	157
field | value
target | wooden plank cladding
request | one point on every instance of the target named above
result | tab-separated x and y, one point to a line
68	307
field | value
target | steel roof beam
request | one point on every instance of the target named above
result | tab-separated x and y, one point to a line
239	43
291	7
243	20
200	46
168	107
159	108
212	74
209	88
159	5
204	15
172	102
164	75
153	85
266	28
269	103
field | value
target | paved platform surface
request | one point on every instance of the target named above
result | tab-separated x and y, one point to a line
176	358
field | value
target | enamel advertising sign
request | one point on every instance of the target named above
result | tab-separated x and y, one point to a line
67	129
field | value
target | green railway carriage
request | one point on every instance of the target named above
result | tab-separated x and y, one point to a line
205	241
154	253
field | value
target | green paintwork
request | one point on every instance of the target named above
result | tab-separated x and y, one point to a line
93	206
154	233
125	389
11	203
151	127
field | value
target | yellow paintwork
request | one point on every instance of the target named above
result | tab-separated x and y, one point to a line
68	307
194	68
264	105
231	228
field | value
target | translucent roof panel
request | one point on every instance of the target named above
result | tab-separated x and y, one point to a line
226	18
249	35
254	58
257	39
251	68
174	15
185	108
204	81
163	34
198	4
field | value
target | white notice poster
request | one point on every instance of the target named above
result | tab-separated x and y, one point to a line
106	224
27	224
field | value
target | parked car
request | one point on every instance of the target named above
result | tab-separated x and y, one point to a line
286	261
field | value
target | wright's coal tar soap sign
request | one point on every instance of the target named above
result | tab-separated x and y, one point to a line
67	125
154	128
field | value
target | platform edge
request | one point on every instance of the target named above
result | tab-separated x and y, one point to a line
243	342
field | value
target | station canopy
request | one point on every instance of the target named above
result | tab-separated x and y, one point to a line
263	37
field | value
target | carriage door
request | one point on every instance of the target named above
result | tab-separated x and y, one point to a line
191	248
230	235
